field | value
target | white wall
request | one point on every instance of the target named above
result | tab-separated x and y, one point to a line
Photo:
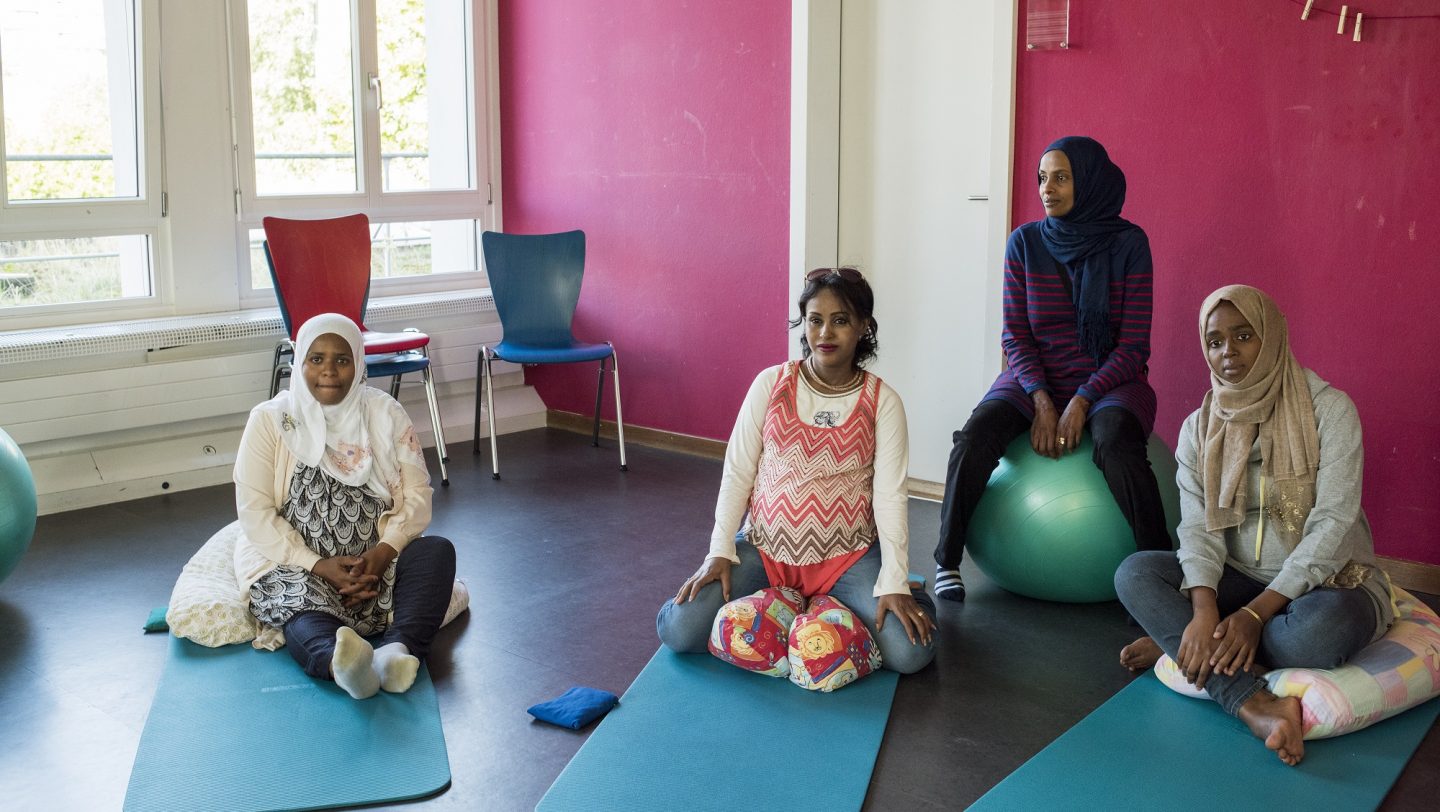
924	114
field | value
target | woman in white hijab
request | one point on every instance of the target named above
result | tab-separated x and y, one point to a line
331	489
1276	566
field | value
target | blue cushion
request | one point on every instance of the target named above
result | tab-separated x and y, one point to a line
156	621
575	708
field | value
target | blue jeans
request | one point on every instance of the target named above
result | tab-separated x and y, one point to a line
1320	629
424	579
686	627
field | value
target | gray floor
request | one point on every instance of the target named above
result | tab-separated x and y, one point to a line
567	560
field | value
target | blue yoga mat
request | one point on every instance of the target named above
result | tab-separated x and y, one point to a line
1148	747
238	729
695	733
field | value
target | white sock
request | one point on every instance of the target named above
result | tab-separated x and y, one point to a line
351	664
395	667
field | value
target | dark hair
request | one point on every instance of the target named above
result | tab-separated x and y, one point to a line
855	292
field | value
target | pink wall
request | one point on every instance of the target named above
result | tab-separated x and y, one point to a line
661	128
1270	151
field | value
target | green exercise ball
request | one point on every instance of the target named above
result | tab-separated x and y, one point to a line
1050	529
17	505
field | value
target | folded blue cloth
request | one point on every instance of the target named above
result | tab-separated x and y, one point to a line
156	621
575	708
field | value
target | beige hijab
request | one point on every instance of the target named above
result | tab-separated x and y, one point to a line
1272	402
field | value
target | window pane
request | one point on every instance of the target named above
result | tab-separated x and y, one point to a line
68	271
302	97
425	91
71	126
397	250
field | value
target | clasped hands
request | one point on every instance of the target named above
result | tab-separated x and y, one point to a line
356	577
1211	645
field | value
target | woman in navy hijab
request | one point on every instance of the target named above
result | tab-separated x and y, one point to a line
1076	335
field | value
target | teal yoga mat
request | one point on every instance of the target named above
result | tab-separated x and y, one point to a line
1149	747
695	733
238	729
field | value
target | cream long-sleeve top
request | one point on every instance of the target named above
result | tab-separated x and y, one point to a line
263	468
892	463
1336	533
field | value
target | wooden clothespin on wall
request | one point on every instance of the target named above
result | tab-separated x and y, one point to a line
1305	15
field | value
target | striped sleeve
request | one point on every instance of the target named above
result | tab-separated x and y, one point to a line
1132	299
1021	350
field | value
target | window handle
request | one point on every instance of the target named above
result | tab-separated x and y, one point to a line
379	91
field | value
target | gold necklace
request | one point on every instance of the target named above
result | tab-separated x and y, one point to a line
819	384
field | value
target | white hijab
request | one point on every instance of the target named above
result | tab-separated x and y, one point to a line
352	441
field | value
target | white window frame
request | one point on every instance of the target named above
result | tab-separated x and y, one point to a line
381	207
104	217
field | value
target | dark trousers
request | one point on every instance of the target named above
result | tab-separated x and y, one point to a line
1120	445
424	579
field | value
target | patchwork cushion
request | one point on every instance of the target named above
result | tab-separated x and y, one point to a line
1392	674
208	607
753	632
830	647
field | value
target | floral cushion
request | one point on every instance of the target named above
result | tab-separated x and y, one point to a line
208	607
1392	674
830	647
753	632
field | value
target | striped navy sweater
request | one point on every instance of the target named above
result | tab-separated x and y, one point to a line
1042	342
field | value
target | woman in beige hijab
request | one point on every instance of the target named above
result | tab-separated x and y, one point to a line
1276	566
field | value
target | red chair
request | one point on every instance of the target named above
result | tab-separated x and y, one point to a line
323	266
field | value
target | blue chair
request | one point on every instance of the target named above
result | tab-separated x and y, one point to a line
536	283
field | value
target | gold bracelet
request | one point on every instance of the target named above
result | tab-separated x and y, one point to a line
1254	614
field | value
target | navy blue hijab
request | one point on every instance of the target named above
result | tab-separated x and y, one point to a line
1082	238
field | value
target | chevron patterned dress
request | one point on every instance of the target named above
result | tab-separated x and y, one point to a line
811	515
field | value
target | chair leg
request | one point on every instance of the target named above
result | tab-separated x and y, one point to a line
599	390
619	417
490	407
428	376
395	387
282	348
479	393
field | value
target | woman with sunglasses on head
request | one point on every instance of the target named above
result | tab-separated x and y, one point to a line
816	469
1276	563
1077	301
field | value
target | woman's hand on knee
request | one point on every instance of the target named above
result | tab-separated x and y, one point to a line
1197	645
714	569
1071	423
1044	427
1238	639
918	625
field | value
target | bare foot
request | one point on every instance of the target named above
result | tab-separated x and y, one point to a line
1141	654
1276	720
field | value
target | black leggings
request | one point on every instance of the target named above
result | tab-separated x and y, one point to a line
424	579
1120	445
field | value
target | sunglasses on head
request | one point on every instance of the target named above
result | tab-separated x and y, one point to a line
848	274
